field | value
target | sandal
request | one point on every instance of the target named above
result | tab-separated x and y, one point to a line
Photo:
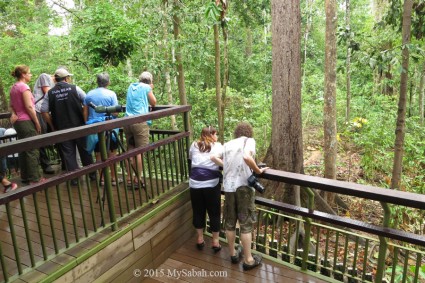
238	255
10	187
257	262
200	246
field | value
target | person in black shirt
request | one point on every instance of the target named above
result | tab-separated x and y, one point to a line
65	104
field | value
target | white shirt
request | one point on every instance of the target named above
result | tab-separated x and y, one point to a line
202	159
235	171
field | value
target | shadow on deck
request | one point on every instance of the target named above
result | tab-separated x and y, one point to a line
187	264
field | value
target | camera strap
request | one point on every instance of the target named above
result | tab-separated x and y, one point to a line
243	149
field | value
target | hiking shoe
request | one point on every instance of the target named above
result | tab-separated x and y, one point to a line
257	262
238	255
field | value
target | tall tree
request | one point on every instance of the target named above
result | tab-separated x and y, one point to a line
307	30
286	148
179	57
224	28
401	112
166	54
421	94
348	61
330	141
218	80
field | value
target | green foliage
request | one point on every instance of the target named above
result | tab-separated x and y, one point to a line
105	35
212	12
394	17
254	108
409	278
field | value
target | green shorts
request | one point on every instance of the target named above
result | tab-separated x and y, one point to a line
240	206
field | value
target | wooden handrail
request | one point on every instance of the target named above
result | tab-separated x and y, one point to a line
364	191
68	134
344	222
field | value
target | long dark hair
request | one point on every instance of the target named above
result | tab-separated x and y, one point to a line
206	140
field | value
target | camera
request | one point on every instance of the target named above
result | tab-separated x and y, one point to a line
253	182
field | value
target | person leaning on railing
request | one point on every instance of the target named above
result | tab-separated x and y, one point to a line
101	96
63	109
205	187
237	160
25	122
139	97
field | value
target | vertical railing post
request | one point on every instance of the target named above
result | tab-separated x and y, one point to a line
307	230
383	244
186	146
107	180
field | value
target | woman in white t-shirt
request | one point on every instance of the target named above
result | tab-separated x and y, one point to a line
205	188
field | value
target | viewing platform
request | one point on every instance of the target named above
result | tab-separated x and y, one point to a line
54	231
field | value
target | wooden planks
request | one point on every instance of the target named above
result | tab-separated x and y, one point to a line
198	265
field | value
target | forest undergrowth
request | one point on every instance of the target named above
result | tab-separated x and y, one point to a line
348	169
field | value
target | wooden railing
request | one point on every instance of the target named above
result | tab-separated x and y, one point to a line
41	221
341	248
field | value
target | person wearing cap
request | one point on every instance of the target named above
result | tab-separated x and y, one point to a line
63	109
42	85
139	97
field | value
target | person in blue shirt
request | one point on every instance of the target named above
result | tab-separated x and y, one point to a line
101	96
139	97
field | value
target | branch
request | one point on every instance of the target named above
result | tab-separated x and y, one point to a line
72	12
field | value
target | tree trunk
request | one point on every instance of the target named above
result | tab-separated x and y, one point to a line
330	141
225	6
348	62
286	141
309	5
218	83
166	54
179	59
401	113
421	94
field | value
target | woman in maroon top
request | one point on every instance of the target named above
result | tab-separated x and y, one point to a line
25	122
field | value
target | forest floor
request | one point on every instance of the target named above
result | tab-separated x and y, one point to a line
348	169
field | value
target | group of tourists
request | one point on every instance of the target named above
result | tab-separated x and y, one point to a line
57	104
236	157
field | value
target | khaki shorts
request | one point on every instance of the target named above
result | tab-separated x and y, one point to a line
137	135
240	206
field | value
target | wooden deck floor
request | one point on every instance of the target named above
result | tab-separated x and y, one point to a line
187	264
